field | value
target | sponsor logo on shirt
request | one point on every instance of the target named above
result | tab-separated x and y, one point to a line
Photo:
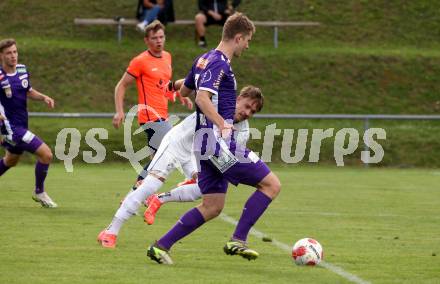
201	63
202	119
21	70
161	84
23	76
219	79
7	88
25	83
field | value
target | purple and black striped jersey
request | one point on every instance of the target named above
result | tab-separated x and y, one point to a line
13	100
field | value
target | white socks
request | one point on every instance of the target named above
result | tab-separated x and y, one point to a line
132	202
184	193
115	226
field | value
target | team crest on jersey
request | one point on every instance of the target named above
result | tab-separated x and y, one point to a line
202	63
207	76
25	83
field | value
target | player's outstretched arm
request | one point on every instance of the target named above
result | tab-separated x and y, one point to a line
120	89
37	96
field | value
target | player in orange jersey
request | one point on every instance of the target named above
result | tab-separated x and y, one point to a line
152	72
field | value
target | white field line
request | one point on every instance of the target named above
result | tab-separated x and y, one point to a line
333	268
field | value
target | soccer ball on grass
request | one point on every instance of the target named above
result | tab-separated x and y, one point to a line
307	251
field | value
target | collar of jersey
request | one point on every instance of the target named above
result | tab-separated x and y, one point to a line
228	60
149	52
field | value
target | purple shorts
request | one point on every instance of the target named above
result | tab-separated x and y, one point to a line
26	141
211	180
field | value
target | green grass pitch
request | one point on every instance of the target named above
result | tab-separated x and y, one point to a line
382	225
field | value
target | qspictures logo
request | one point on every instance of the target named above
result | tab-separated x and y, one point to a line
345	142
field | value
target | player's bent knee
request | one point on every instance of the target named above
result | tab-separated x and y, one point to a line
46	158
216	211
44	154
11	162
270	185
276	186
210	211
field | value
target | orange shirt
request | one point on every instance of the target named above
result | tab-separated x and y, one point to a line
152	76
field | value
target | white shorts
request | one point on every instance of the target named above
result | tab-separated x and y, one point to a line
169	158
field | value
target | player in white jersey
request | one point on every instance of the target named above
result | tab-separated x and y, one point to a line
176	150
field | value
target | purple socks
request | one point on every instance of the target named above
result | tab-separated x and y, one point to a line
40	176
253	209
3	167
188	223
191	220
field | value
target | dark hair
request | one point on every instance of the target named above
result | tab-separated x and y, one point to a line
238	23
154	26
254	94
5	43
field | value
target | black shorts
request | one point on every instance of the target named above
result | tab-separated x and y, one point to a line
211	21
155	131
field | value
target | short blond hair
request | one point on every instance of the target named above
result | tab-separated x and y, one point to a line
254	94
154	26
238	23
5	43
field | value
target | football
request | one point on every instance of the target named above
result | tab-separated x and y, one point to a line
307	251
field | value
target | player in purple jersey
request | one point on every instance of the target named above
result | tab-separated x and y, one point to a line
220	159
16	138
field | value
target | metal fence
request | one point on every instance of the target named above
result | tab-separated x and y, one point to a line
365	117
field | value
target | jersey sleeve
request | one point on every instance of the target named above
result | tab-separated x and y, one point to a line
24	77
134	68
29	86
189	80
211	77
